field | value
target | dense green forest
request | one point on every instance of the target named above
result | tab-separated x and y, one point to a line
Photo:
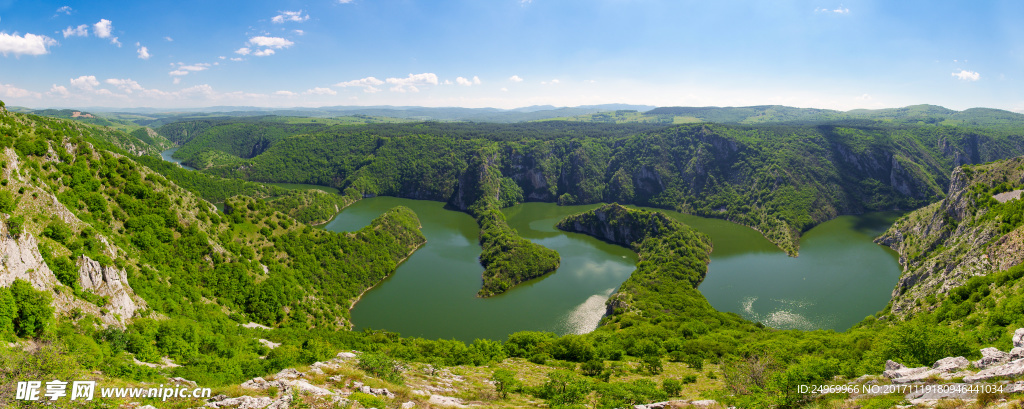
202	273
781	179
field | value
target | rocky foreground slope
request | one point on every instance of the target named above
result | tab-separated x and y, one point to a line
970	233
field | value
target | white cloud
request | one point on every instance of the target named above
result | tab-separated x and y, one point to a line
125	85
864	97
177	80
271	42
286	93
837	10
468	82
299	32
59	90
65	9
115	42
369	84
29	44
409	84
295	16
321	91
10	91
967	75
264	52
365	82
238	59
515	78
344	1
182	69
86	82
143	52
552	82
195	67
243	51
504	89
103	28
168	39
80	31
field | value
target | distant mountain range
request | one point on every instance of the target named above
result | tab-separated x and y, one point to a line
608	113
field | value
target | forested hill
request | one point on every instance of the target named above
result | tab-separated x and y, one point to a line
763	114
81	216
780	179
115	243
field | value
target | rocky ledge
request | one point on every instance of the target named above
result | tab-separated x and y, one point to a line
317	386
993	364
956	375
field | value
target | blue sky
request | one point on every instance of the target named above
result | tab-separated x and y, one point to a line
512	53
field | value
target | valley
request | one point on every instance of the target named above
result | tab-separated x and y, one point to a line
741	249
839	278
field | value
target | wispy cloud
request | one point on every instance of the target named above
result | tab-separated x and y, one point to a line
126	85
80	31
965	75
468	82
269	44
294	16
515	78
29	44
11	91
320	91
59	91
272	42
552	82
183	70
837	10
369	84
412	82
169	39
64	10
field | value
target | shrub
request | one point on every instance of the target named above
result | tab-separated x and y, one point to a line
504	381
381	366
672	387
368	401
16	225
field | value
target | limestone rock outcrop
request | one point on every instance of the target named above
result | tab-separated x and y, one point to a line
112	282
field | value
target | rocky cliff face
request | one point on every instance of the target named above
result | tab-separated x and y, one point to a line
617	224
20	259
480	180
944	244
109	281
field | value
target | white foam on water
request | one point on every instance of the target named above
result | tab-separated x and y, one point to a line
783	318
585	317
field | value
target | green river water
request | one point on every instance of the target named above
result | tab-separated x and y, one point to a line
839	278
